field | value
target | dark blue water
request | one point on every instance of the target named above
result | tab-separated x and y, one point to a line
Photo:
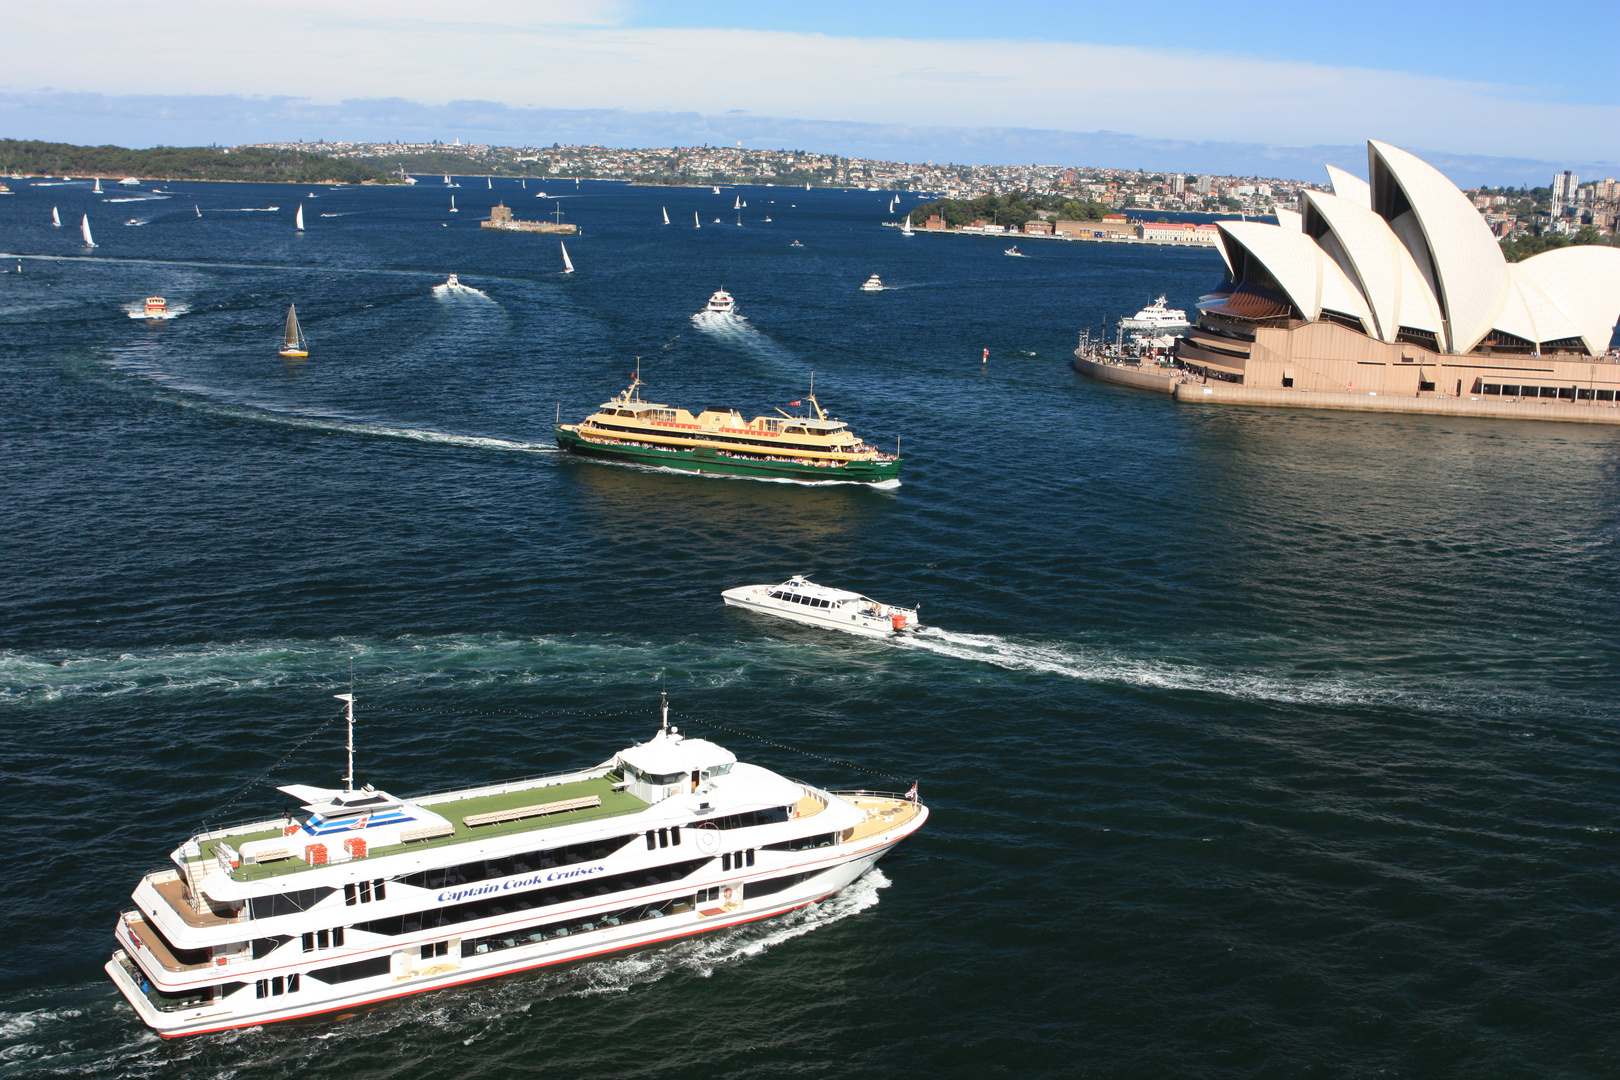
1259	743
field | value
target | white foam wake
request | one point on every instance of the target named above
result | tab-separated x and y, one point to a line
1095	665
138	311
446	291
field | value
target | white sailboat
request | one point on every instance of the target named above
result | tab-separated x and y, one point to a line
292	337
298	219
97	189
905	230
736	203
665	209
56	219
568	264
84	227
453	209
197	208
489	183
696	224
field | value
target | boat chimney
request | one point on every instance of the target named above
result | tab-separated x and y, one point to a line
348	777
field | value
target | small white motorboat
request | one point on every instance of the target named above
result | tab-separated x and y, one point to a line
720	303
873	284
1015	253
804	601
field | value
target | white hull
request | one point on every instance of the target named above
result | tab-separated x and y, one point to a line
758	598
834	868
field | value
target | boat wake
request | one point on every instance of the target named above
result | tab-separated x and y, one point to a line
446	291
245	210
1102	666
138	311
192	396
881	485
138	198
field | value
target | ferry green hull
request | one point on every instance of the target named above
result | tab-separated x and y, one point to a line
704	460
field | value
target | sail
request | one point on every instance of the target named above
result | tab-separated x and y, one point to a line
56	219
666	214
906	228
298	221
568	265
197	208
84	227
696	224
736	203
98	185
489	183
292	336
453	205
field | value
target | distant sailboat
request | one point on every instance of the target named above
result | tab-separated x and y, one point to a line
197	208
696	224
298	219
568	265
489	183
453	209
293	343
666	214
807	185
736	203
84	227
97	189
524	184
905	230
56	219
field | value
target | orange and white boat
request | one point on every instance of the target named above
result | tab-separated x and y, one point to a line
156	307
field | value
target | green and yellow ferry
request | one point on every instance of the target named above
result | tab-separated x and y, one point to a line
813	448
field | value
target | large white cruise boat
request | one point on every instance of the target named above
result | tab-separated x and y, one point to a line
1156	319
802	600
720	303
370	897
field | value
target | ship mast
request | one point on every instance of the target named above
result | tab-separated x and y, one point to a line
348	777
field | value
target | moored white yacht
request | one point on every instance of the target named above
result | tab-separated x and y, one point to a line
804	601
1156	318
720	303
371	897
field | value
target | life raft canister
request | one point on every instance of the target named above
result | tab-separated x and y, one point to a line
899	622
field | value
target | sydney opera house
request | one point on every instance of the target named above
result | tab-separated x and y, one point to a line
1396	288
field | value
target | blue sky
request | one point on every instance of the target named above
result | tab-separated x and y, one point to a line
1564	52
943	80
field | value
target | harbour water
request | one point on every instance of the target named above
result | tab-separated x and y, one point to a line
1258	742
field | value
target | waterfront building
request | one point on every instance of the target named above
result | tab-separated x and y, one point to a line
1396	290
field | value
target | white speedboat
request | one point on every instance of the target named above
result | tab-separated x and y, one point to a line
873	284
818	605
1015	253
720	303
365	897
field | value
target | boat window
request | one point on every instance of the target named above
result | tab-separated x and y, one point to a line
720	770
803	843
268	907
361	969
752	889
529	935
675	835
548	889
750	818
523	863
264	946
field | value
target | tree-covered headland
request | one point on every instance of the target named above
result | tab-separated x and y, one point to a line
1014	209
35	158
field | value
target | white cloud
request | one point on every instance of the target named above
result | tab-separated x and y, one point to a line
577	56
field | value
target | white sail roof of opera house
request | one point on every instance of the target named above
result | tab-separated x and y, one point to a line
1305	273
1361	242
1409	250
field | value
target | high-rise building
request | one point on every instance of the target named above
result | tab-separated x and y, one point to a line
1178	184
1563	187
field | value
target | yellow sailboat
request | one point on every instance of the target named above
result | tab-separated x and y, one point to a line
295	343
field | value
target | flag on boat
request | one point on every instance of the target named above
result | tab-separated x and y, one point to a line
791	404
912	794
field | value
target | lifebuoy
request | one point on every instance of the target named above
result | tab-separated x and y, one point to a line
727	892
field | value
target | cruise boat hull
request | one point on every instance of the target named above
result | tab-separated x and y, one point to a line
842	867
721	462
758	598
